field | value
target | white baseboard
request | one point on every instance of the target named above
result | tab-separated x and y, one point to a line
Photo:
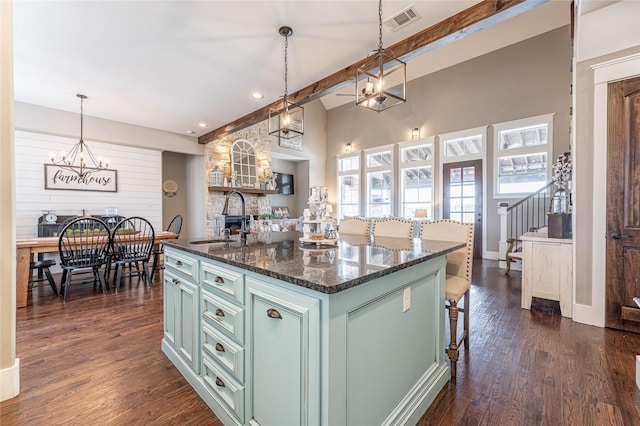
490	255
10	381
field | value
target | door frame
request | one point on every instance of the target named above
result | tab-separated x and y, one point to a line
438	196
603	73
446	167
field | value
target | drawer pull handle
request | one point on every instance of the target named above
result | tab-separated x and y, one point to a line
219	280
219	382
219	312
272	313
219	347
176	281
178	263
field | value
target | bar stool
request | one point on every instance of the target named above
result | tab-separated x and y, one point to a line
43	265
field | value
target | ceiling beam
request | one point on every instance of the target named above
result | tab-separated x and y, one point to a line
469	21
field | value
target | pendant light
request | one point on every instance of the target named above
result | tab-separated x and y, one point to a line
381	80
286	121
80	159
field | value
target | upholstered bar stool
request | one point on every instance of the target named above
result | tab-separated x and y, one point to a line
458	279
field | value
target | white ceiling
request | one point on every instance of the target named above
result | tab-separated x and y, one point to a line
172	64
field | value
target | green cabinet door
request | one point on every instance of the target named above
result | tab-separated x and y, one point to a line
283	350
181	319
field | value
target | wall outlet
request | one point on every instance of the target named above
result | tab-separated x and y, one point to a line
406	299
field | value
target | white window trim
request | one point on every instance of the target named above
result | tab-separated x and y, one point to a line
514	124
414	164
461	134
358	171
392	148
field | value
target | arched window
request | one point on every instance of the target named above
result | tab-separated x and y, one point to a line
243	160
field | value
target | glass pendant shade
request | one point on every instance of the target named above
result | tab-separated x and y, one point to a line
382	79
381	82
286	121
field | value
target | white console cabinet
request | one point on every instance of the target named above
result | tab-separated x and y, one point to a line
547	270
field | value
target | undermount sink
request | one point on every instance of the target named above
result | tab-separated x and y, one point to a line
211	241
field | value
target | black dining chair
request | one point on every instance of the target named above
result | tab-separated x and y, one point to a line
131	245
83	244
175	226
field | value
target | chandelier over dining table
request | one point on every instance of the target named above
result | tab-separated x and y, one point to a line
79	159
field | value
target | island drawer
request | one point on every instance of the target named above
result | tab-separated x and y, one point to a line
222	280
227	390
220	348
180	263
223	315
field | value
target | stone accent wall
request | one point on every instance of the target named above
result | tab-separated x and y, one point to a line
258	135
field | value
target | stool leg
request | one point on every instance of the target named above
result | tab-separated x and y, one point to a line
453	351
52	283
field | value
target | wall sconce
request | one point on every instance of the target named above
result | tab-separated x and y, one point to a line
415	133
347	147
221	160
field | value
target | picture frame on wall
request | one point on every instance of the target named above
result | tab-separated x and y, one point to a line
281	212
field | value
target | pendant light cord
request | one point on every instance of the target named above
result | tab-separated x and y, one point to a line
380	49
286	65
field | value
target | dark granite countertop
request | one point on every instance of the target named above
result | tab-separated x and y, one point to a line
327	269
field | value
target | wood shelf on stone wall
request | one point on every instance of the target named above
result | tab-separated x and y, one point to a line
227	189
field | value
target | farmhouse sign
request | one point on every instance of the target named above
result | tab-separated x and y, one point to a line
55	177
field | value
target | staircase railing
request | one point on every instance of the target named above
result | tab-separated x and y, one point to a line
523	216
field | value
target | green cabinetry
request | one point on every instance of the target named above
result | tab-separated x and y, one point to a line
260	351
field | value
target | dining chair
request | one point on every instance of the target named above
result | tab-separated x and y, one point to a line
393	227
83	244
458	278
132	242
175	226
355	225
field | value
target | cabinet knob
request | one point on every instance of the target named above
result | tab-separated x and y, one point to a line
219	347
219	280
272	313
178	263
175	281
219	382
219	312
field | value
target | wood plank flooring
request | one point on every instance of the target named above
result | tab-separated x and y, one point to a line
97	360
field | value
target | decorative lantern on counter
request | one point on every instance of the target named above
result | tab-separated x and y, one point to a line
215	177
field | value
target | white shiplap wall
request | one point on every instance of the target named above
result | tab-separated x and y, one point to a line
139	182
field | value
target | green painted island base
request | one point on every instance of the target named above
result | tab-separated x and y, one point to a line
260	351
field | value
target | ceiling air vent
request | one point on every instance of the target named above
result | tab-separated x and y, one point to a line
402	18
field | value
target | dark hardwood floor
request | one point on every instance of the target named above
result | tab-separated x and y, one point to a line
97	360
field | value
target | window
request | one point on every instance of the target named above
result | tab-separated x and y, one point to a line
462	145
521	154
349	185
379	172
416	180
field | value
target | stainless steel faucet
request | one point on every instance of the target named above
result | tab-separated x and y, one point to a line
244	229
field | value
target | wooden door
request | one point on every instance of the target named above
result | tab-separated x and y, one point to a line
623	206
462	197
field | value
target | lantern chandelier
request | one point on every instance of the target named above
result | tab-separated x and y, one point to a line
286	120
381	80
80	159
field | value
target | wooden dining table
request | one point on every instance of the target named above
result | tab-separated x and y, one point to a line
26	248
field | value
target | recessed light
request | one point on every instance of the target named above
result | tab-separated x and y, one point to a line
203	125
257	95
190	132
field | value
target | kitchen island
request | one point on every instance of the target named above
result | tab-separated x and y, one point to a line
278	333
